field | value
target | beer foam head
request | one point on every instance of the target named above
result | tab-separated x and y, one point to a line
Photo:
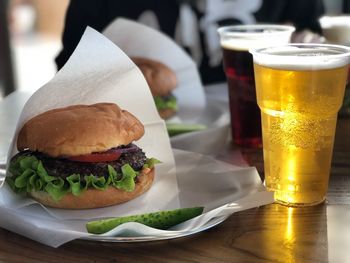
302	56
247	44
245	37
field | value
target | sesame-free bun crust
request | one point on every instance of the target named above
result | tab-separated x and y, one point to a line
160	78
93	198
79	129
166	113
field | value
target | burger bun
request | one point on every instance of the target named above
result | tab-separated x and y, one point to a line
79	129
160	78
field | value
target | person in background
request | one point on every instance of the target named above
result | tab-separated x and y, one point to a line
7	81
346	6
192	23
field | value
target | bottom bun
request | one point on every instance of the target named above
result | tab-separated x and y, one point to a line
166	113
93	198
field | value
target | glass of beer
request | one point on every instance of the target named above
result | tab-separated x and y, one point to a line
300	89
238	66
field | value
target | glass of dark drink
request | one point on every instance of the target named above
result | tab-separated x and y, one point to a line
238	65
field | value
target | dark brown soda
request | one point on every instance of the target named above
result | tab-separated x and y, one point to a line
245	113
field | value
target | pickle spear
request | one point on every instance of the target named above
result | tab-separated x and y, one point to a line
160	220
179	128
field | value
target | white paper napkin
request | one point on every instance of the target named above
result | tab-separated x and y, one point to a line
338	232
203	181
136	39
98	71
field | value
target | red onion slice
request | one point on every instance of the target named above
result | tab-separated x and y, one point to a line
131	148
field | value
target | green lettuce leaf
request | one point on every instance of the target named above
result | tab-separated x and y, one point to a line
29	174
150	162
127	182
75	185
163	104
56	188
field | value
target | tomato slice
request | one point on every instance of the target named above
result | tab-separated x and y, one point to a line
108	156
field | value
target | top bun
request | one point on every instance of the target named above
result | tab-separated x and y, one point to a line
79	129
160	78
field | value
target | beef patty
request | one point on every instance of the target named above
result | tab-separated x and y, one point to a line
62	167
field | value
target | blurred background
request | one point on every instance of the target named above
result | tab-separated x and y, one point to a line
34	29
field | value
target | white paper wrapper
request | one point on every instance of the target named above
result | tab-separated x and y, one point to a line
221	188
136	39
98	71
338	232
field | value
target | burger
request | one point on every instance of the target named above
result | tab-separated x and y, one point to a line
162	81
81	156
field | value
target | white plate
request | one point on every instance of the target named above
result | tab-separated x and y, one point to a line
176	234
217	119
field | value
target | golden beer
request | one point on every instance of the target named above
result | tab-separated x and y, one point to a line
299	105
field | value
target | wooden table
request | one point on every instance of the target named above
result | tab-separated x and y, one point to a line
272	233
